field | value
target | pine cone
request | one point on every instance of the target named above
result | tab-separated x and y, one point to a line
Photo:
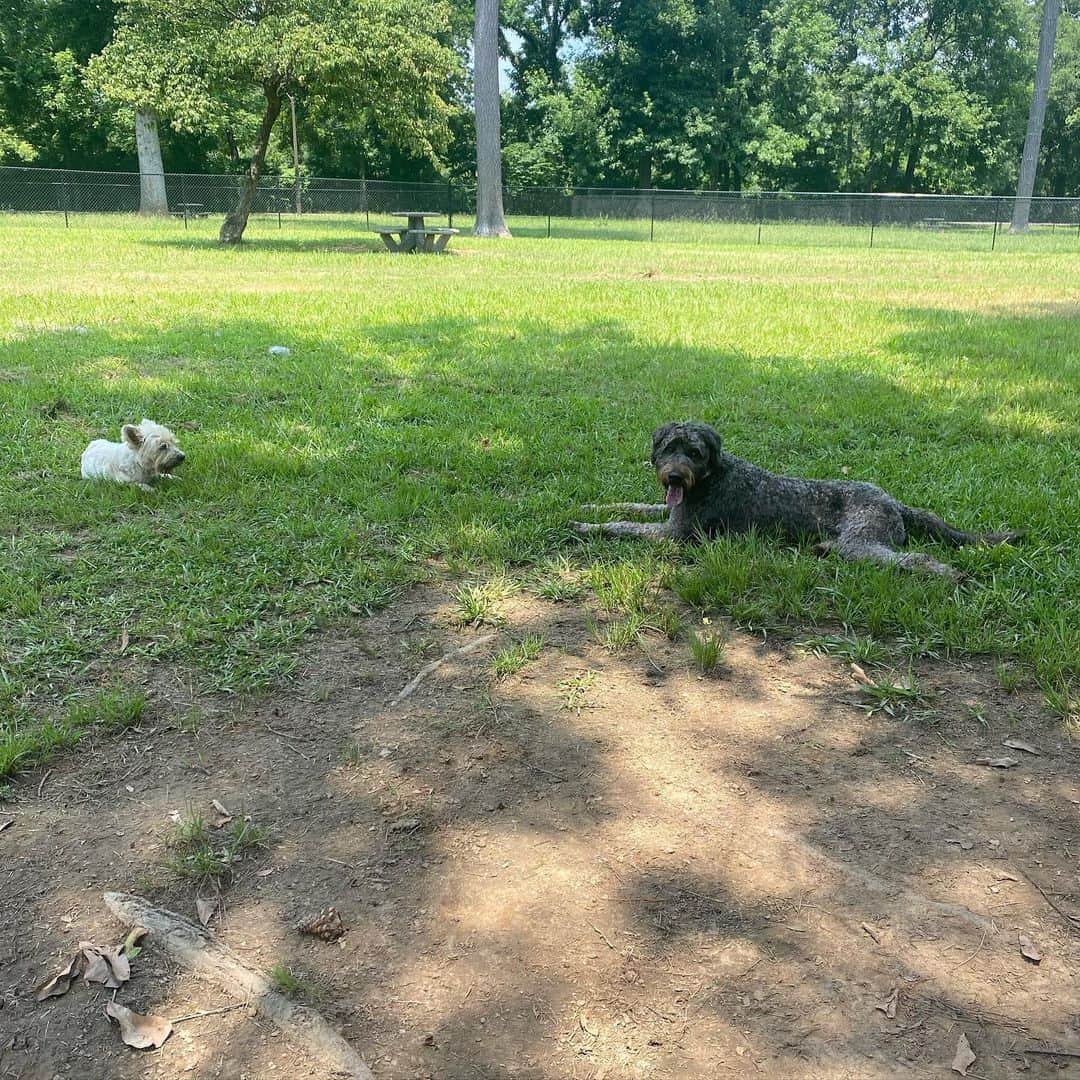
327	925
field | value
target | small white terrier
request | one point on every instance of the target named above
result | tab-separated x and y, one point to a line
146	452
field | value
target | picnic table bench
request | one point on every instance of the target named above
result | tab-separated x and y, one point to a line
415	235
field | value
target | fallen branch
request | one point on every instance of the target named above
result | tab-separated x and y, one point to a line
1052	1053
427	669
200	952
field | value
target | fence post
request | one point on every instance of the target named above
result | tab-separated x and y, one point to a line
549	222
652	214
997	218
450	202
873	218
760	211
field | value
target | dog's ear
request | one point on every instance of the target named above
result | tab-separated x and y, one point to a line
713	443
132	436
661	436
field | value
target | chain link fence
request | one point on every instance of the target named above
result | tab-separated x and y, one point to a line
546	211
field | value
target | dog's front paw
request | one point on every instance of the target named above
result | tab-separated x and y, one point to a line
145	487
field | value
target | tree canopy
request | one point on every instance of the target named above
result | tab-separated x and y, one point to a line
876	95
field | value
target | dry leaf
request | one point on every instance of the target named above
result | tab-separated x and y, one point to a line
206	909
997	762
107	966
589	1027
1019	744
964	1058
61	982
137	1030
222	817
124	639
327	925
1029	950
888	1006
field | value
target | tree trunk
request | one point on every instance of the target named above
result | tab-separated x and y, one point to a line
489	200
1030	161
152	197
232	228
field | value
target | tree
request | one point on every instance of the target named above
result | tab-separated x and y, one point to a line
152	196
1030	160
209	64
489	201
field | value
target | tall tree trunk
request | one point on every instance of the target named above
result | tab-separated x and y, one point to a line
645	170
152	197
914	153
1030	161
232	228
489	200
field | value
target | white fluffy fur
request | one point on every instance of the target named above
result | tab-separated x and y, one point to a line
146	452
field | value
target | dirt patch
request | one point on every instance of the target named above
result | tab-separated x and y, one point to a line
606	865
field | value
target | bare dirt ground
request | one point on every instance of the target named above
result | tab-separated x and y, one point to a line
605	866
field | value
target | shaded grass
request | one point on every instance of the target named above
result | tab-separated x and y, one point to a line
447	416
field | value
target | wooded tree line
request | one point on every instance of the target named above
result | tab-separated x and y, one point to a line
848	95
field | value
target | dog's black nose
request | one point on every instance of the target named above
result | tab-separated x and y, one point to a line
180	455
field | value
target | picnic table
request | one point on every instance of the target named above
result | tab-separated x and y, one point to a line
415	234
190	210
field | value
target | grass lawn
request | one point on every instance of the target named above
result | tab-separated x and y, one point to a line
447	416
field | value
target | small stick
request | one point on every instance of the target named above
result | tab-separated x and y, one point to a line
1053	1053
207	1012
974	954
289	745
48	773
1073	919
871	931
604	937
410	688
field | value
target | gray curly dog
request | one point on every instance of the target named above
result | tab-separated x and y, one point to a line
710	491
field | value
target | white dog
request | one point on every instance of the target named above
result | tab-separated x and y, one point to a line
146	452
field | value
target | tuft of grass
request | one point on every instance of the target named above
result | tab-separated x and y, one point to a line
855	648
201	854
514	657
1064	702
287	983
667	621
1009	677
623	634
893	696
707	649
478	604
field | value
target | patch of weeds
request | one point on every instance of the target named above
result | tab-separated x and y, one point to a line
476	604
191	722
289	984
419	647
354	754
575	690
202	854
557	580
855	648
514	657
707	649
976	712
623	634
667	621
25	744
1009	677
893	696
1064	702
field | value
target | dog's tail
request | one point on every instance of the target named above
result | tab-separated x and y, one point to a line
925	523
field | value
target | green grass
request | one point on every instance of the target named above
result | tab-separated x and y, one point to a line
707	649
513	658
201	854
447	417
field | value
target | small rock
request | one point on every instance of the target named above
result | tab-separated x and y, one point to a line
404	824
279	350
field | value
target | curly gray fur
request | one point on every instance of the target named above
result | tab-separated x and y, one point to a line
710	491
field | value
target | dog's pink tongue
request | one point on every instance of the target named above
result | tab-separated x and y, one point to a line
674	495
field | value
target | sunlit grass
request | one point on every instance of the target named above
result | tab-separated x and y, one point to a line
449	415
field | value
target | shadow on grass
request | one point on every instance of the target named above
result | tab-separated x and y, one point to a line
320	483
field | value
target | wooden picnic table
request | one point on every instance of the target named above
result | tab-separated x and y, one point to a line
415	235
